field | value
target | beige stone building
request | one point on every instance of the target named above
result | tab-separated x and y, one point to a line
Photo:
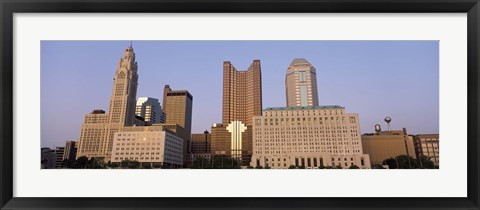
428	145
242	100
97	132
388	144
313	136
301	84
148	145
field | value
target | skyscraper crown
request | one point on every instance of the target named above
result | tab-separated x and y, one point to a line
297	61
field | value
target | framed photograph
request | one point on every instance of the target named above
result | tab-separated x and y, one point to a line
239	105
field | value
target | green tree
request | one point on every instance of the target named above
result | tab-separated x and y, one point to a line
134	164
146	165
401	162
354	167
201	163
81	162
407	162
67	163
250	167
292	167
301	167
125	163
113	165
96	163
225	163
258	167
425	162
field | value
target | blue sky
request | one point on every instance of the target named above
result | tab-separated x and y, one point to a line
375	79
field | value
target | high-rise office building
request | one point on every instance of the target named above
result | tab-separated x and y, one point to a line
301	84
98	129
70	150
242	100
177	105
150	110
312	137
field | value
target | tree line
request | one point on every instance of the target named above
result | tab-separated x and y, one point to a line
398	162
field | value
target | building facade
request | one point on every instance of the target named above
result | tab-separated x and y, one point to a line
177	105
150	110
242	100
70	150
427	145
201	143
48	158
220	143
59	151
388	144
313	137
154	145
301	84
98	129
194	156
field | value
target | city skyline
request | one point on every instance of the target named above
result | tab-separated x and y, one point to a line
206	85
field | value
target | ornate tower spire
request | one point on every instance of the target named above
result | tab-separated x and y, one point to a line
124	93
98	129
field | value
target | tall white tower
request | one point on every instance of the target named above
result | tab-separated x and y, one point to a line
98	128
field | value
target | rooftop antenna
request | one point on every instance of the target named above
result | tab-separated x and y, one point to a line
388	120
130	44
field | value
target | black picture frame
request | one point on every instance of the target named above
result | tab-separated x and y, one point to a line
10	7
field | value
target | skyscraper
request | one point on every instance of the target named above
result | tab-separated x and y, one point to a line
70	152
301	84
150	110
242	100
242	93
177	105
98	129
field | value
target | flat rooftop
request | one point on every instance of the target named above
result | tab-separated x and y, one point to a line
303	108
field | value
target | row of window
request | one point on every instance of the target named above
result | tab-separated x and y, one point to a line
287	113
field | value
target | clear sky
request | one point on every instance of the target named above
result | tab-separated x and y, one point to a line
375	79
